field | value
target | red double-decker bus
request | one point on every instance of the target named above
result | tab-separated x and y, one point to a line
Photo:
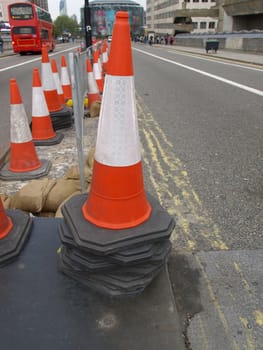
31	28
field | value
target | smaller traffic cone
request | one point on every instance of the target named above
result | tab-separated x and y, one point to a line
6	223
24	163
60	114
105	57
15	227
65	81
97	71
93	90
49	85
42	129
57	81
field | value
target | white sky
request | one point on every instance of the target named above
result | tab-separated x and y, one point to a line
74	6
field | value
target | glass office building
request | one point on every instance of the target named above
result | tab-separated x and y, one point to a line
103	15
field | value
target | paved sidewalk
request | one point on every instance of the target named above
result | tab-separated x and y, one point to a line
238	56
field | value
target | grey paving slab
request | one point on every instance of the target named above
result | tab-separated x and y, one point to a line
231	295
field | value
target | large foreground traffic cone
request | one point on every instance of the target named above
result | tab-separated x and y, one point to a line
97	71
24	163
93	91
115	239
61	115
42	129
117	198
65	81
14	230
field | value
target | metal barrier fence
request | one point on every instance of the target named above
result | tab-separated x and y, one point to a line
79	84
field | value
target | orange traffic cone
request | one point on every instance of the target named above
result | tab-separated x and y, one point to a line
93	91
24	163
42	129
98	71
60	114
117	199
105	57
48	82
57	82
65	81
15	227
6	223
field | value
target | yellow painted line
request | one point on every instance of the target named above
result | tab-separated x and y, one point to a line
216	304
186	204
243	280
249	334
259	317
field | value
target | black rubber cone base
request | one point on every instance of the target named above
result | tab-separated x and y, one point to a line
114	262
62	119
106	241
50	142
7	175
12	245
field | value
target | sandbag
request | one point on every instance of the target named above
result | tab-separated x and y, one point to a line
62	190
31	198
6	200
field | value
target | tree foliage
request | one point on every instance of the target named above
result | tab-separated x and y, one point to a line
65	24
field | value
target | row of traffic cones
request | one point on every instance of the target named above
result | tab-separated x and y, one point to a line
48	101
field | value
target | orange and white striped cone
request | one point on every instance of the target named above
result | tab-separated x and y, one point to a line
93	90
24	163
105	57
117	198
57	82
65	81
15	228
48	83
118	222
43	133
60	114
97	71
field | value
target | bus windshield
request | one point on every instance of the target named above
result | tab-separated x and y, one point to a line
21	11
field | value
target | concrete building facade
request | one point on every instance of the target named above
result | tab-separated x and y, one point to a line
203	16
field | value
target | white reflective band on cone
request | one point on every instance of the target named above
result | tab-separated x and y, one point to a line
57	83
19	130
47	78
96	71
104	57
64	76
118	141
39	104
92	85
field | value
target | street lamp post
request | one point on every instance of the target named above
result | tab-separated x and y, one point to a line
87	24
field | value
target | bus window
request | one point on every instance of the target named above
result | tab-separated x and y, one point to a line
44	34
24	30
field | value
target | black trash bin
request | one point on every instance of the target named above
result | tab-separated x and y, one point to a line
212	44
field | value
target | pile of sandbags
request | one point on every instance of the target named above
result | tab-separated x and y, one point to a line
44	197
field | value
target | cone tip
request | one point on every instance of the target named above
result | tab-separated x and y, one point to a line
36	78
15	97
54	66
45	58
122	14
63	61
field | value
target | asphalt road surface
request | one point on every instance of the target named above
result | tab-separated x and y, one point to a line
201	124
